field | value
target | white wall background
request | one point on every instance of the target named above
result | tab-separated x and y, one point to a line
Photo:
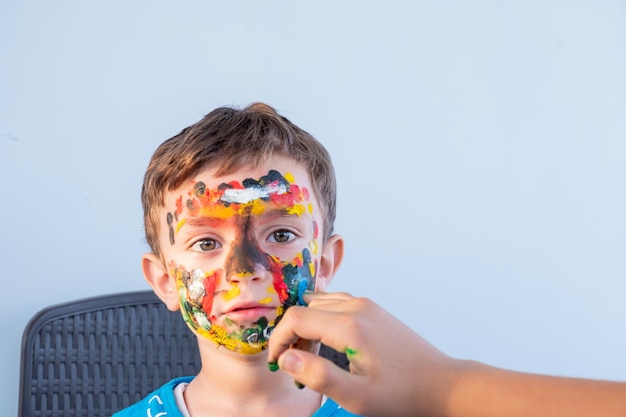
480	148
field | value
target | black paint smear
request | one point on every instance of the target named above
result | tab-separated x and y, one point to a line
272	176
257	334
170	220
224	186
199	189
190	205
245	254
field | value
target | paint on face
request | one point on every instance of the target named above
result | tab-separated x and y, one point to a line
290	279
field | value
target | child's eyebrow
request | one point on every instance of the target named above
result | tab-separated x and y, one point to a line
215	222
204	221
281	212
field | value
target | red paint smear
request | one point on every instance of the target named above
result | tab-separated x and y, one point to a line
204	200
282	200
316	229
236	185
297	193
179	205
210	283
305	193
279	283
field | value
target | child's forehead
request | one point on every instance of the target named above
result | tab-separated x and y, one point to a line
279	183
248	174
243	184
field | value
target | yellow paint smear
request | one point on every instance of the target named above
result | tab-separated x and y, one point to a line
232	293
180	224
221	337
257	207
217	211
297	209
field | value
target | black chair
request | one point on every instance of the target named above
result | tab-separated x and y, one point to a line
96	356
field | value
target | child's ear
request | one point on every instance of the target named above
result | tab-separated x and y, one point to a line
162	284
332	255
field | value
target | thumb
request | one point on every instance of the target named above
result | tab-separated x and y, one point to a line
317	373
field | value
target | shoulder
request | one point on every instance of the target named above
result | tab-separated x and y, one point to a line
159	403
331	409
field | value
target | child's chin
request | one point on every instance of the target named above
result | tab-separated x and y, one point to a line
244	341
246	348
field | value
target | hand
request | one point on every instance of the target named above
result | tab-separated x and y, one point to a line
393	371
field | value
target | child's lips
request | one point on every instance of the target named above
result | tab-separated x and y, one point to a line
250	313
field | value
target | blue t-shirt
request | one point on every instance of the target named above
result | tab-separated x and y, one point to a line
161	403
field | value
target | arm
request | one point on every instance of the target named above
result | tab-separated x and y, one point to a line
480	390
395	372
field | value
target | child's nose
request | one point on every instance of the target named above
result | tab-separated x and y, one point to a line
245	261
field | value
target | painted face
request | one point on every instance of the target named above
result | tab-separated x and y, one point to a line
246	251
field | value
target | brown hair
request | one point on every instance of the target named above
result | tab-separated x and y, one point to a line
230	138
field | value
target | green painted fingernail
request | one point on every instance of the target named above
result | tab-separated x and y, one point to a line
298	385
273	366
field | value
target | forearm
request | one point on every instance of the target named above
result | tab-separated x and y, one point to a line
478	390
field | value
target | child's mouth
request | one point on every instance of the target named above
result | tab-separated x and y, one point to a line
249	315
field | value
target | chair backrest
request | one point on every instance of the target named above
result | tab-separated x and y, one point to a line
96	356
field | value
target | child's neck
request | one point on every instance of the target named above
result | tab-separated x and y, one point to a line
231	384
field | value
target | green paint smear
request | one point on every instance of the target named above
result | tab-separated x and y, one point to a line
273	366
351	352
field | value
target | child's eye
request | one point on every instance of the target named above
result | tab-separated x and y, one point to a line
206	245
281	236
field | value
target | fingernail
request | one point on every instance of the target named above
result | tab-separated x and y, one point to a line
273	366
291	363
298	384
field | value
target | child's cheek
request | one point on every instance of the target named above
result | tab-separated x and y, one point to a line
292	279
196	291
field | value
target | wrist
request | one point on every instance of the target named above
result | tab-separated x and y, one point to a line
463	390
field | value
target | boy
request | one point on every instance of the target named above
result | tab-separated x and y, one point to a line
239	211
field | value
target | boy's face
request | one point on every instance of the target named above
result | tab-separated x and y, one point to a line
242	248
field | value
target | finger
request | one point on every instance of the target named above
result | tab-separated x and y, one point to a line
316	299
331	328
305	345
320	297
292	328
350	305
317	373
323	376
